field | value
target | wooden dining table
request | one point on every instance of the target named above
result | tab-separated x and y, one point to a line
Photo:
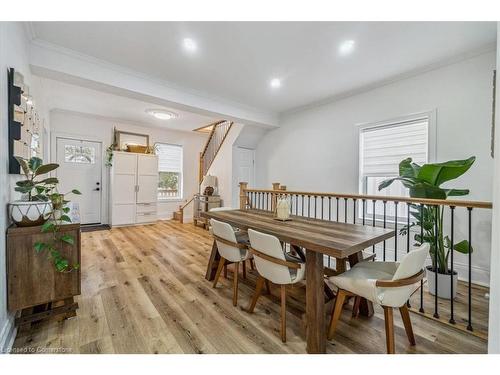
318	238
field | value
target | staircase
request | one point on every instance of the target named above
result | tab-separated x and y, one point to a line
216	138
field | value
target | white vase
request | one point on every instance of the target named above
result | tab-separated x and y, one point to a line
29	214
444	284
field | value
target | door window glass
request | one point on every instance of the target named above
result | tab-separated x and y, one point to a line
79	154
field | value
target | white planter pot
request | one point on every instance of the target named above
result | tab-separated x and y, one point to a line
29	214
444	284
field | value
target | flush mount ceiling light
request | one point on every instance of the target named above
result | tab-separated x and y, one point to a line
275	83
162	114
189	45
347	47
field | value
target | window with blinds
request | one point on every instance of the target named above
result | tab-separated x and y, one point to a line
169	170
382	148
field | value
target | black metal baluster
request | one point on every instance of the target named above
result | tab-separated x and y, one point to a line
302	206
308	206
421	309
345	210
337	198
385	226
364	208
452	213
296	205
436	230
354	212
315	207
373	223
322	202
330	208
469	325
396	231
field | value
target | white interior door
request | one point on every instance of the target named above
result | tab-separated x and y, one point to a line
80	167
245	165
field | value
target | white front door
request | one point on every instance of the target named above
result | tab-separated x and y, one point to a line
80	167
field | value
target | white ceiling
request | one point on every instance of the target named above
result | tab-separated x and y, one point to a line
236	60
63	96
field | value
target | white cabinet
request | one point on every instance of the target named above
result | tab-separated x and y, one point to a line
134	188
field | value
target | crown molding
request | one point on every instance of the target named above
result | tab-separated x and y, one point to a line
491	47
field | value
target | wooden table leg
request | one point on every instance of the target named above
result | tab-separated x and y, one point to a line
365	306
315	303
213	263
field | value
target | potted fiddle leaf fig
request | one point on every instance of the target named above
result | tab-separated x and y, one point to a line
424	181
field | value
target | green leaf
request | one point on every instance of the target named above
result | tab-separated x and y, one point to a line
40	246
66	209
47	226
463	247
46	168
438	173
61	265
426	190
50	181
23	189
25	183
66	218
68	239
404	180
34	163
408	169
77	192
456	192
24	166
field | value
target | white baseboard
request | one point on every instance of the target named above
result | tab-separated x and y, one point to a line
7	335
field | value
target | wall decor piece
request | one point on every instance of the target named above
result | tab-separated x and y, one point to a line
24	122
124	139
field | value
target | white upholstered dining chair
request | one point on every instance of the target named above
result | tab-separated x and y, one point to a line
232	248
274	265
388	284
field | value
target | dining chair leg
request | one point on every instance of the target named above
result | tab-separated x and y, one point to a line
355	306
235	283
256	295
222	264
283	313
252	264
244	265
268	287
405	315
225	271
337	311
389	329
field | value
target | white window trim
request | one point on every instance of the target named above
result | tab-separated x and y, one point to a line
180	198
431	116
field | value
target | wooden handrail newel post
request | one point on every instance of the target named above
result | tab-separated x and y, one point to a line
243	197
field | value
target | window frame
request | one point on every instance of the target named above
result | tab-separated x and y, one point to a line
179	198
431	117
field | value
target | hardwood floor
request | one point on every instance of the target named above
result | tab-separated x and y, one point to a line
144	291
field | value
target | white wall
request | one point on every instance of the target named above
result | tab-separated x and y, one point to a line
13	54
316	149
101	129
494	312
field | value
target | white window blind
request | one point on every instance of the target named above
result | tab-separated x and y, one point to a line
383	148
169	157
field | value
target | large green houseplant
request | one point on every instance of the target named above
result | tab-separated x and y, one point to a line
51	209
425	181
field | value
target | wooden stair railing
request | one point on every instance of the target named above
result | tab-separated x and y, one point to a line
219	132
179	215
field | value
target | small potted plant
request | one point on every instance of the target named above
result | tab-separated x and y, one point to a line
425	182
33	207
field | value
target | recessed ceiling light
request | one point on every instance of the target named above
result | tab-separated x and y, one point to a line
189	45
275	83
347	47
161	114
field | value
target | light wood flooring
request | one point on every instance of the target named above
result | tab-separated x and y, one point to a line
144	291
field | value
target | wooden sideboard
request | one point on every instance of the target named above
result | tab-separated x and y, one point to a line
32	279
